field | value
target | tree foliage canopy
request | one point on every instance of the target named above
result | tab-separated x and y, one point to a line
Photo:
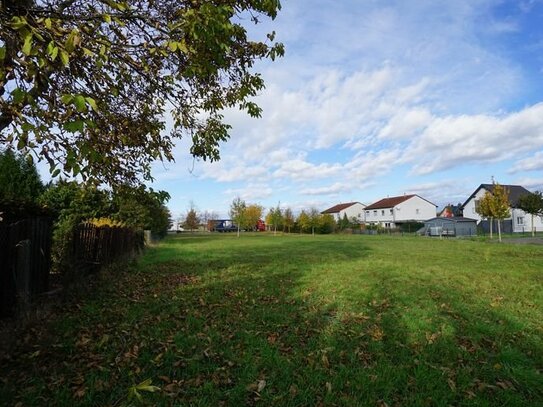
253	213
192	220
238	212
19	179
87	84
532	204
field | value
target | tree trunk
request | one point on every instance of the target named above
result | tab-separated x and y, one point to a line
533	226
499	232
238	230
491	227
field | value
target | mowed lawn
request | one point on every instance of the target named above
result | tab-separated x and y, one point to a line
294	320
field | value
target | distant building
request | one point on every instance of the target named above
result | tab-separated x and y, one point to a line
450	226
519	221
450	211
392	212
351	209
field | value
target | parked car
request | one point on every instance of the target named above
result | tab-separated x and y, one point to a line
224	225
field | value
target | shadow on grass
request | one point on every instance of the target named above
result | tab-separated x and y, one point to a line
288	321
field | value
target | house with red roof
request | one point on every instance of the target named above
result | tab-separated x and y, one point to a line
351	209
393	211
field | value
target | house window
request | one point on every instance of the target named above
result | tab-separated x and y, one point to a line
391	211
367	212
520	220
374	213
417	211
387	225
382	212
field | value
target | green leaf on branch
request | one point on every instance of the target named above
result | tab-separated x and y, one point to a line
18	95
172	45
27	46
66	99
74	126
80	103
64	57
92	103
18	22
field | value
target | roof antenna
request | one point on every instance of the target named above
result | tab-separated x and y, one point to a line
492	178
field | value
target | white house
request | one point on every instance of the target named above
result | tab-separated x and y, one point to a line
519	221
391	212
351	209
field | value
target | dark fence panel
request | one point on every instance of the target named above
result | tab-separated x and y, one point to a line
25	261
96	246
506	226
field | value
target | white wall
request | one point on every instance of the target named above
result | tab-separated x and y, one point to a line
353	211
522	221
469	208
415	208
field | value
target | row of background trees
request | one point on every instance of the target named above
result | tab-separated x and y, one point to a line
246	216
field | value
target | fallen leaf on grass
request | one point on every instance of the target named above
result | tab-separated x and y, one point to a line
325	361
505	385
145	386
272	338
256	387
80	392
261	385
329	387
377	334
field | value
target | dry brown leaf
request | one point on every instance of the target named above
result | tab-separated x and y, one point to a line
261	385
80	392
325	361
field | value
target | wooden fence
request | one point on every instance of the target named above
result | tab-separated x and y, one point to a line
25	256
96	246
25	260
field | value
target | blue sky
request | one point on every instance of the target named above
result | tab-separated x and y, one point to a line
381	98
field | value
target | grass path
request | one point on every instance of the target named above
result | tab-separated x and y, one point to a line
297	321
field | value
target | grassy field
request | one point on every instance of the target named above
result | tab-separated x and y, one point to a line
297	321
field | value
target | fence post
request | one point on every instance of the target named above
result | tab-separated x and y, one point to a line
23	274
147	237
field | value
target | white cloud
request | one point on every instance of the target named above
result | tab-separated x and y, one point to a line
334	189
459	140
299	169
251	193
405	123
442	192
533	163
532	184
